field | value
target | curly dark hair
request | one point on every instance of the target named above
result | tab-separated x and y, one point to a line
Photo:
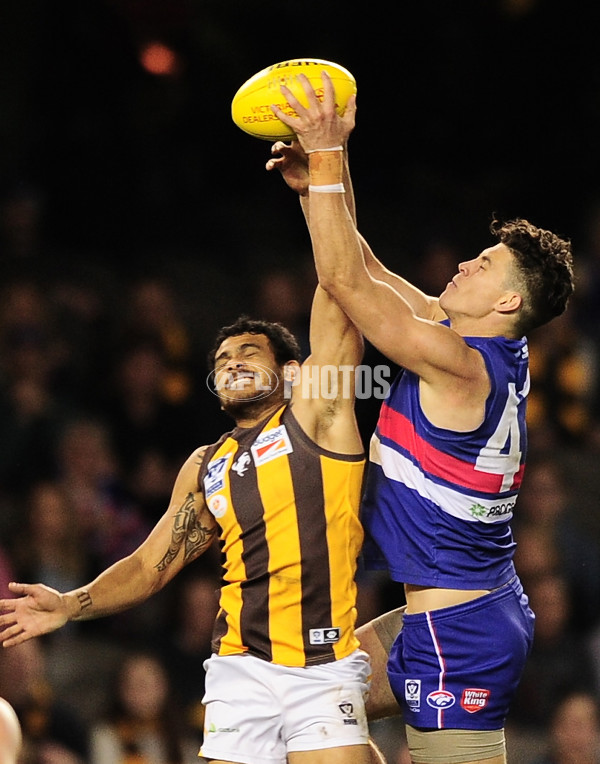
544	270
284	344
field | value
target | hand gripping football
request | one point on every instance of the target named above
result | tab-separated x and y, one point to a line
251	106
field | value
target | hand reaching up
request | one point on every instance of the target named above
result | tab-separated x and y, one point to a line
292	163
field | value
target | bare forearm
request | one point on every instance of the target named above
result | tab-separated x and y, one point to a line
339	249
118	588
374	307
423	305
336	244
182	534
349	193
339	261
178	538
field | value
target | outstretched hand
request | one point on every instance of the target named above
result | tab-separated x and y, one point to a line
292	163
38	610
318	125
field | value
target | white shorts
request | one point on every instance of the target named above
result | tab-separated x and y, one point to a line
258	711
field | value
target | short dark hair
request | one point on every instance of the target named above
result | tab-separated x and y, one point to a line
544	267
284	344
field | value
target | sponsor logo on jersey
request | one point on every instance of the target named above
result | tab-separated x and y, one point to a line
496	510
474	699
505	508
441	699
324	636
271	444
477	510
412	694
214	479
218	505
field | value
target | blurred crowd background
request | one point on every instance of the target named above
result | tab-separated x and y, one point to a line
136	219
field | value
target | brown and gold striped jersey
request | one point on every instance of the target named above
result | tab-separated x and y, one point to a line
290	536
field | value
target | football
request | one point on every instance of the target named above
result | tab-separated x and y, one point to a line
251	106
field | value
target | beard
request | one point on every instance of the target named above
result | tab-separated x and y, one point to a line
250	408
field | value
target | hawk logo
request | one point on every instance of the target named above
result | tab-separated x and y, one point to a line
241	464
271	444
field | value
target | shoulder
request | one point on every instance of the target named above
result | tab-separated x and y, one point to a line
504	357
504	345
335	437
189	476
203	454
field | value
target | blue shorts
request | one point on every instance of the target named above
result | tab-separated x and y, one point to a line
459	667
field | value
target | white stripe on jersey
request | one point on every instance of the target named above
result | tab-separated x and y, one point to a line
463	506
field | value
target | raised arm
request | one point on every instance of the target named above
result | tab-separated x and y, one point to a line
385	314
323	395
183	533
292	162
323	402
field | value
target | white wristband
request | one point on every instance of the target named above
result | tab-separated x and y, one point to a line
329	148
330	188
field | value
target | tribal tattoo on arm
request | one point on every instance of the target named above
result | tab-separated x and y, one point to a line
188	532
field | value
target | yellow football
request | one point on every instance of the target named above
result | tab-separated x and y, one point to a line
251	106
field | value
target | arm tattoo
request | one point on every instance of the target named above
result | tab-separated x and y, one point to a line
85	601
187	532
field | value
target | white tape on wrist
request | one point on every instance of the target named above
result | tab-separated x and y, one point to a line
329	188
329	148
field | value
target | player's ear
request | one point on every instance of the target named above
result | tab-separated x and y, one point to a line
509	302
291	371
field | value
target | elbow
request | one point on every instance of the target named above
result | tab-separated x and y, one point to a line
336	285
327	282
149	578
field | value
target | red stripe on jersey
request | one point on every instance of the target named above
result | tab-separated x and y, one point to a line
397	428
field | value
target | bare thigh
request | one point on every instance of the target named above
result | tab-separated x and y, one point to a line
494	760
381	702
349	754
354	754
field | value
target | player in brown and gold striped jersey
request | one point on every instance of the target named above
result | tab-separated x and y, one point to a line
287	680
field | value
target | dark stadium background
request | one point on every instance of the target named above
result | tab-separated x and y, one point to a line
112	174
466	109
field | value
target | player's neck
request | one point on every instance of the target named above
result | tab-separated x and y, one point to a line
487	326
248	415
